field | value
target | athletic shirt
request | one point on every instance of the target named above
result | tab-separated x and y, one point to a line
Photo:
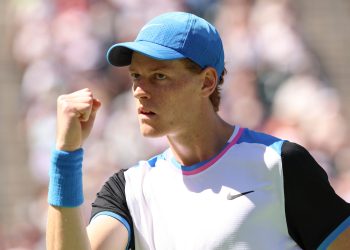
259	192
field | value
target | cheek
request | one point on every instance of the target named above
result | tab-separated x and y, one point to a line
178	96
180	107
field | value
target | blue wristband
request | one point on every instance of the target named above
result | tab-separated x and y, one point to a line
66	179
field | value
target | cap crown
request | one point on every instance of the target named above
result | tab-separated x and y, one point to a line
190	35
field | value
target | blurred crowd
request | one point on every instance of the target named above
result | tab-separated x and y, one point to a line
274	84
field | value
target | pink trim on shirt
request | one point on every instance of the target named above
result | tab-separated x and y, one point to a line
216	158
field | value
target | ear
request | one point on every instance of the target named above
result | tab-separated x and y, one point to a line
209	81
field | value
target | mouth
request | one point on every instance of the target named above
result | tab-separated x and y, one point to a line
144	111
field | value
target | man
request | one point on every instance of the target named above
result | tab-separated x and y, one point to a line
218	186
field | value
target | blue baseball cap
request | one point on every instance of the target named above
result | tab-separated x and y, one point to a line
174	35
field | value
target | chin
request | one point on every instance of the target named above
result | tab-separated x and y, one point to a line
150	132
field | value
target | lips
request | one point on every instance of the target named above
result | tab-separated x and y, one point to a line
145	111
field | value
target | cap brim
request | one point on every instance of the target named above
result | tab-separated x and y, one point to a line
120	53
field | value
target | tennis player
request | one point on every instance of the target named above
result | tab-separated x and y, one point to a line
217	186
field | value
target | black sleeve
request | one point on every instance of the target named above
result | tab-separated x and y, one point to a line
313	209
111	198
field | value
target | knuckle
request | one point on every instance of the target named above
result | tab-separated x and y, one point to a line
66	107
88	91
60	98
90	96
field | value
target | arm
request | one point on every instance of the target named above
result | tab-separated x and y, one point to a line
110	216
317	217
107	233
65	228
342	242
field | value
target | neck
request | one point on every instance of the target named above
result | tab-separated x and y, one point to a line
201	142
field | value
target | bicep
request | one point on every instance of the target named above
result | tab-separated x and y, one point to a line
107	233
342	242
111	224
339	239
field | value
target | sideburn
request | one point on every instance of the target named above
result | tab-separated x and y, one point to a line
215	97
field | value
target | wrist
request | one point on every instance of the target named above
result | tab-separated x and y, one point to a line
65	186
67	147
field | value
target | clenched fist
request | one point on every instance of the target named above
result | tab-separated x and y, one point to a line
75	117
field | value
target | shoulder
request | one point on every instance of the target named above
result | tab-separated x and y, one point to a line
301	171
260	138
298	162
294	151
151	162
313	209
138	172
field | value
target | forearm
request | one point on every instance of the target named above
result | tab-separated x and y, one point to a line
75	117
66	229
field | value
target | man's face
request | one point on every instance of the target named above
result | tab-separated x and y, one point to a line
167	95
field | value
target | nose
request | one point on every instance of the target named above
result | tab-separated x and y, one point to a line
139	91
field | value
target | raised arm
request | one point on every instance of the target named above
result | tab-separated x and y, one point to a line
65	228
75	117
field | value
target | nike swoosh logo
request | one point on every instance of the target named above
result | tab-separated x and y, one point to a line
234	196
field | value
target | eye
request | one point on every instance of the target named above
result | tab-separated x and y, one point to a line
134	76
160	76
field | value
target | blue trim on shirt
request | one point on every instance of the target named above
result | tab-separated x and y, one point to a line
330	238
119	218
189	168
196	165
250	136
152	161
277	146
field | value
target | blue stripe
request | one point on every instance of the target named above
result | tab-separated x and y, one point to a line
277	146
152	161
250	136
198	164
189	168
119	218
341	228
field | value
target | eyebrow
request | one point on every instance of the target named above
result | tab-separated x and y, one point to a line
153	68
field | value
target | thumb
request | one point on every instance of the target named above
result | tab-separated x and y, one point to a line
87	126
96	104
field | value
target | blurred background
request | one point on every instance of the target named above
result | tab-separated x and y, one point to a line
288	68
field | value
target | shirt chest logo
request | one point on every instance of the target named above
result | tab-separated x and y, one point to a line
234	196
